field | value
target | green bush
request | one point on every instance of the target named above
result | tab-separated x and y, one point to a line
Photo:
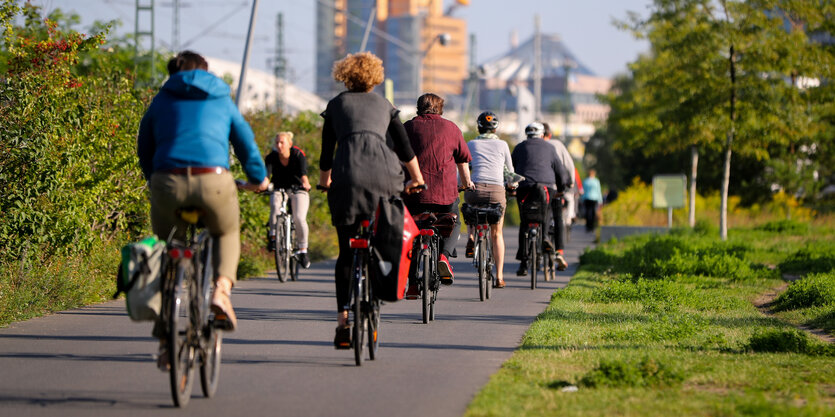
785	226
812	290
647	372
779	341
815	257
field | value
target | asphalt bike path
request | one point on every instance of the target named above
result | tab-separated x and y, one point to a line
281	360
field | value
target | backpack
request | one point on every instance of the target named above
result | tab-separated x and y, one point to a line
140	278
392	238
534	203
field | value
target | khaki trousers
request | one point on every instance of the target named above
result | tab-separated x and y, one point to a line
217	195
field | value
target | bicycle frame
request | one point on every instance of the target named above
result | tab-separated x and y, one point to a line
286	263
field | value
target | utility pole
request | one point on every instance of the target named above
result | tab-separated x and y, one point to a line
279	64
242	78
472	82
537	68
144	14
175	26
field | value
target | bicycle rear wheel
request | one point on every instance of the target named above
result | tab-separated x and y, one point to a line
360	318
210	364
373	327
481	256
281	251
425	280
180	334
533	260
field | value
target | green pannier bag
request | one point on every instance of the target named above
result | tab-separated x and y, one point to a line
140	278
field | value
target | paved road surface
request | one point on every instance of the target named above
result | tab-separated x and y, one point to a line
281	361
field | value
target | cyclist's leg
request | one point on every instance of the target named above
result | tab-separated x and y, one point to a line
559	223
300	202
342	272
275	204
498	248
222	212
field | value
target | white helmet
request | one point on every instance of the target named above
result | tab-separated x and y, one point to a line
535	130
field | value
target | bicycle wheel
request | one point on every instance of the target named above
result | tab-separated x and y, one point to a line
373	327
281	251
294	262
481	256
360	318
210	364
426	290
532	259
180	334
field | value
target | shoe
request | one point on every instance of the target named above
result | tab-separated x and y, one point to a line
303	260
342	340
499	284
413	293
470	253
523	269
163	361
561	263
222	307
445	270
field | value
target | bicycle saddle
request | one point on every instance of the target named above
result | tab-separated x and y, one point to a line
190	215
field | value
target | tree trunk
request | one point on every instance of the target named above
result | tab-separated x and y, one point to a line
726	178
694	164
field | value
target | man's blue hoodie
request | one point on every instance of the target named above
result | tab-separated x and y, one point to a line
191	122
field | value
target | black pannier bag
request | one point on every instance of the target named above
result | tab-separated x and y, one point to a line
394	232
445	223
490	213
534	203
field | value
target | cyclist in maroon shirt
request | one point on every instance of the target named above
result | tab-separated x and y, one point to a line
443	157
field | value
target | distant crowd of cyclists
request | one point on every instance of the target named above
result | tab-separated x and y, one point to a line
367	153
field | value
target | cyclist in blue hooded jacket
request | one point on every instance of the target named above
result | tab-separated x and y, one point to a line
183	148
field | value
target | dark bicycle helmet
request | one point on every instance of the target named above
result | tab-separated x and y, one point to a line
488	121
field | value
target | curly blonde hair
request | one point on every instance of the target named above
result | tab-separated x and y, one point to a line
359	72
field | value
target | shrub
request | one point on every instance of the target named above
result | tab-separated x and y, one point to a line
815	257
785	226
812	290
618	373
779	340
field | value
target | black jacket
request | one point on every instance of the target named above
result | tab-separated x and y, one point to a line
537	161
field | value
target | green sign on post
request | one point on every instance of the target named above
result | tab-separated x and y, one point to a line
669	191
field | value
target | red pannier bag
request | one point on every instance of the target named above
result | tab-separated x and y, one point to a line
392	238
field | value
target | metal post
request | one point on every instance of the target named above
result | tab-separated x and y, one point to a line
537	68
368	29
669	217
242	78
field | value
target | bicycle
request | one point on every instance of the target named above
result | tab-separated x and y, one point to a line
282	233
428	250
191	331
480	217
535	235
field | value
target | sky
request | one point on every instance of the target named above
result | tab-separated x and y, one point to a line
218	28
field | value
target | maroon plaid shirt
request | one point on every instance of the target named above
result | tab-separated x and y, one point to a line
439	147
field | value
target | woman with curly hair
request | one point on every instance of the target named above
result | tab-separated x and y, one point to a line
372	149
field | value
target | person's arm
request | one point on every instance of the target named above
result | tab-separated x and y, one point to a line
508	161
303	169
328	146
400	140
416	178
305	183
243	142
464	175
145	146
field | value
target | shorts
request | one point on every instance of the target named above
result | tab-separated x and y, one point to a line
486	194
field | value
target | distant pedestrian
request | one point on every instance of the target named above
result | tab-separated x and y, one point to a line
592	198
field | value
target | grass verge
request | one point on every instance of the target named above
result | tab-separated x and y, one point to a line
649	327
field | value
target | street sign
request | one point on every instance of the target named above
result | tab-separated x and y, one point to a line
668	191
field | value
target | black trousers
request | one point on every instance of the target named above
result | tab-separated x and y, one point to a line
342	272
591	214
522	194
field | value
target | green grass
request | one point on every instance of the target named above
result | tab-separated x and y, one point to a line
649	326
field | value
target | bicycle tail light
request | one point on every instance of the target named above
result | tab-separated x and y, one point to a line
359	243
365	223
427	232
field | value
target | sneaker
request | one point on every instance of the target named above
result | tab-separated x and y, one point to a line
163	363
561	263
342	339
470	253
413	293
445	270
303	260
523	269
